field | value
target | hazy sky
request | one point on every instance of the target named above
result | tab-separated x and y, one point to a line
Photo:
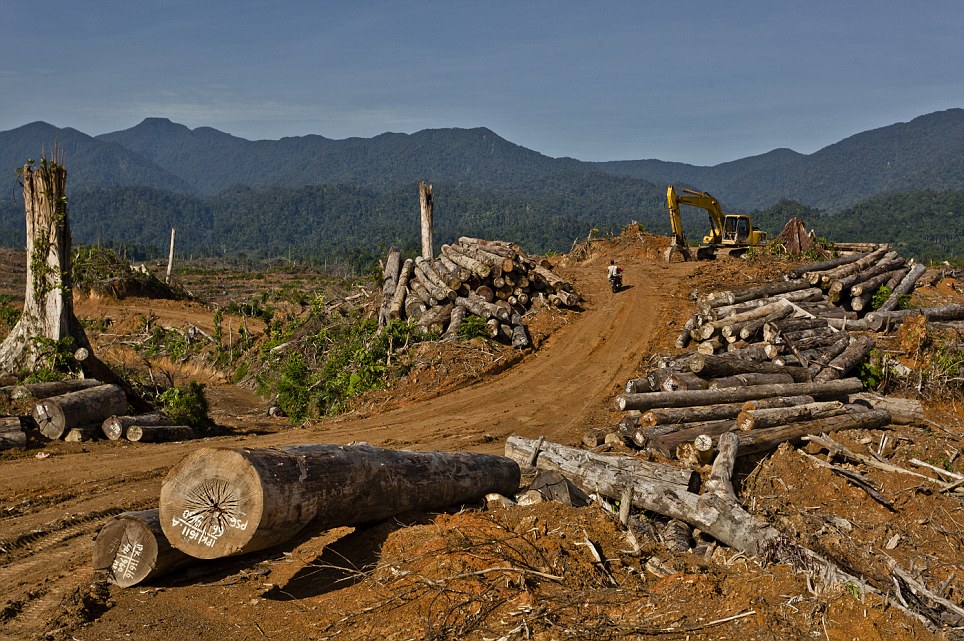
701	82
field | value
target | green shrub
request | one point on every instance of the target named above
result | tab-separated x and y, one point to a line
473	327
187	406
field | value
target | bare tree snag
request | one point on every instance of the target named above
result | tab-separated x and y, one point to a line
426	207
57	414
132	549
170	258
221	502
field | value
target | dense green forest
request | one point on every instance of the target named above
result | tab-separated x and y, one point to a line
356	224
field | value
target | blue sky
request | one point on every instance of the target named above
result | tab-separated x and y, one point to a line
691	81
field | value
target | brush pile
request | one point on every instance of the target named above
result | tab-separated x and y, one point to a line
493	280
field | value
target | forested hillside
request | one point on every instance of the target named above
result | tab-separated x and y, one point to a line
324	199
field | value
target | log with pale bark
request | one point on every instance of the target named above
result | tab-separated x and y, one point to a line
751	378
12	435
826	278
903	411
556	457
401	290
115	427
52	388
709	366
903	288
222	502
159	433
393	264
880	320
798	272
854	354
83	434
57	414
131	549
772	417
688	398
765	440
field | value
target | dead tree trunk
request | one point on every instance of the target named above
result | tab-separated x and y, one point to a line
221	502
426	208
132	549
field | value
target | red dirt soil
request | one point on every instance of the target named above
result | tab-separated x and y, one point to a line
506	573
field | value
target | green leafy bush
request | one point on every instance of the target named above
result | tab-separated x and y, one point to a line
187	406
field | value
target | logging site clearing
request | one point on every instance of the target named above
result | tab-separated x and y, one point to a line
865	543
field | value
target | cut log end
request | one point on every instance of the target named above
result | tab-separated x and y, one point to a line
207	502
126	550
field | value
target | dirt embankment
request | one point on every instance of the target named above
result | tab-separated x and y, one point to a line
437	576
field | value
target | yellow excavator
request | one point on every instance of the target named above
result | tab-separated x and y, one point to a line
730	234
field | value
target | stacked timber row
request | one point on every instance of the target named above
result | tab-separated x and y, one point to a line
494	280
772	360
82	410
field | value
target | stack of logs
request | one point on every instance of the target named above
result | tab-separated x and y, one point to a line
494	280
82	410
770	362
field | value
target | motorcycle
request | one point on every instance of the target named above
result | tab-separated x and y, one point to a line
616	281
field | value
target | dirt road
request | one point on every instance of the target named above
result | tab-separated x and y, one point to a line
53	506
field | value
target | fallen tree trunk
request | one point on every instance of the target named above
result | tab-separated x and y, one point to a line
222	502
709	366
904	287
83	433
822	266
12	436
401	289
393	263
856	352
131	549
552	456
688	398
879	320
903	411
160	433
52	388
743	380
765	440
57	414
115	427
773	417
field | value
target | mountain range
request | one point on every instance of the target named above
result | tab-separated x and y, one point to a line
176	175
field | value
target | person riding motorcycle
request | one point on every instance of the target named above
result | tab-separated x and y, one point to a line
615	276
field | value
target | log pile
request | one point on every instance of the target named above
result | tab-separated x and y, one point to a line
494	280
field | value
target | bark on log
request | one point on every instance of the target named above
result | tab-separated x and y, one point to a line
856	352
83	433
12	436
520	337
874	282
766	440
476	267
667	442
778	401
904	287
53	388
463	274
560	458
115	427
743	380
393	263
477	305
879	320
813	294
707	330
435	318
432	282
132	549
752	352
401	289
57	414
637	385
798	272
903	411
773	417
709	366
222	502
683	381
851	268
710	347
688	398
160	433
769	289
700	413
456	316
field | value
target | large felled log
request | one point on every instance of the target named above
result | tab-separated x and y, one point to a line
903	411
12	436
855	353
160	433
765	440
477	305
393	264
57	414
115	427
430	279
668	442
688	398
220	502
772	417
709	366
752	378
560	458
822	266
52	388
456	316
83	433
879	320
131	549
812	294
434	319
904	287
707	330
826	278
477	267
